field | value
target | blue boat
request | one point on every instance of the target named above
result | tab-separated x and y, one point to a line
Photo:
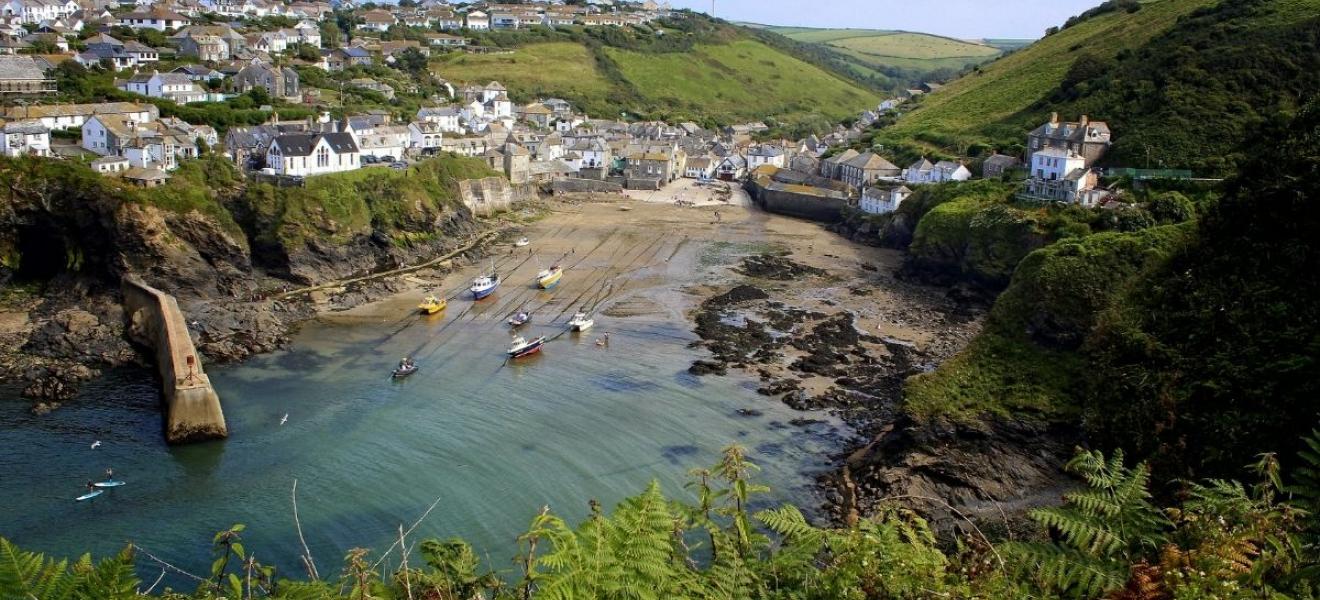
485	285
522	347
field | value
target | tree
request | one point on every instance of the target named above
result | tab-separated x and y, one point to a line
330	33
411	61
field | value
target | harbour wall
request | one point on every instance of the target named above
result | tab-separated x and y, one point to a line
193	411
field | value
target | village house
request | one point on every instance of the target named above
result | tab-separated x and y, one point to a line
206	48
279	82
144	144
73	116
377	20
1088	139
477	21
22	76
344	58
304	154
110	165
383	141
998	164
371	85
445	40
699	167
832	167
170	86
877	200
158	18
198	73
1062	176
947	170
25	138
731	168
866	169
766	154
445	117
536	114
33	12
425	136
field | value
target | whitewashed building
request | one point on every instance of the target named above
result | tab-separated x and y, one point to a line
26	138
878	200
303	154
177	87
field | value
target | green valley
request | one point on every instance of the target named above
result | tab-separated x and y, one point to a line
740	80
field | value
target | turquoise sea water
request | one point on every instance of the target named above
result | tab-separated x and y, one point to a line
492	441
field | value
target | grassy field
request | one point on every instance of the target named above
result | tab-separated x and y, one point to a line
1000	97
745	78
562	69
876	48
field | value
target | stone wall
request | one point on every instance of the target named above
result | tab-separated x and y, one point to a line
580	186
193	411
797	201
490	195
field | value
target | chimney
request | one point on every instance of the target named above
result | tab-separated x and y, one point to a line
1054	118
1085	120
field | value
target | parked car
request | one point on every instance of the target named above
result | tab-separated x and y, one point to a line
399	165
387	159
368	159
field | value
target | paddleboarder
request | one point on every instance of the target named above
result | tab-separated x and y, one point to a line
109	474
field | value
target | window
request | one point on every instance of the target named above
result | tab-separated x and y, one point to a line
323	157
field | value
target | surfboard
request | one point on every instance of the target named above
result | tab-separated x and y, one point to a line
108	484
89	495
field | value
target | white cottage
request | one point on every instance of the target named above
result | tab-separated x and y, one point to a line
303	154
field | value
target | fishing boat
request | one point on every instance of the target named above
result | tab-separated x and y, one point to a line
431	305
112	483
485	285
521	347
549	278
89	495
520	319
580	322
522	242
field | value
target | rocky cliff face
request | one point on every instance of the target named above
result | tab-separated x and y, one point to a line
67	237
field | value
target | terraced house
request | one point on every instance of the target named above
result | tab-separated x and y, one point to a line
158	18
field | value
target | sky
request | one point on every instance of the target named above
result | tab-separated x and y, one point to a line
973	19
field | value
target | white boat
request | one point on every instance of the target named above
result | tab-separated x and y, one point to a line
580	322
522	242
521	347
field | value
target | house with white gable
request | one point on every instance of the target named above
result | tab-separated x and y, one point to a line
947	170
303	154
878	200
25	138
477	21
425	136
1061	175
34	12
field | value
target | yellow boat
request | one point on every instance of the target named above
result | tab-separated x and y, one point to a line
547	278
432	305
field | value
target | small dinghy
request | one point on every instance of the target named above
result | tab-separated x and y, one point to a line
432	305
113	483
522	242
522	347
406	367
89	495
520	319
580	322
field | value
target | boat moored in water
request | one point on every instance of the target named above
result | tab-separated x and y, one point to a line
522	347
431	305
406	367
580	322
548	278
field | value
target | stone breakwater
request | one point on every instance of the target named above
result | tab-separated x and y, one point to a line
193	410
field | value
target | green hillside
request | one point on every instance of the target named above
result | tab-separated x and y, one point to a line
1180	82
721	82
879	50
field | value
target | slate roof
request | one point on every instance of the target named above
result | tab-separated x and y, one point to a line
301	144
15	68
